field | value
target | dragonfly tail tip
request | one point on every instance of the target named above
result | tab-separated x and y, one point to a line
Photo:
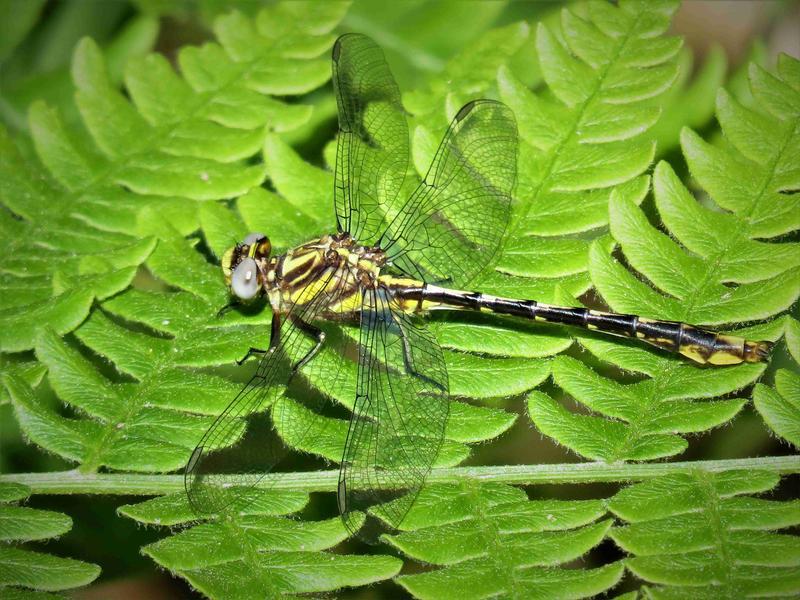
756	352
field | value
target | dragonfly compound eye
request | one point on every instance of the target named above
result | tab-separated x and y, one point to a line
244	279
259	245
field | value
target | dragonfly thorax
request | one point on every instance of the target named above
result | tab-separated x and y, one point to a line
326	270
336	261
332	261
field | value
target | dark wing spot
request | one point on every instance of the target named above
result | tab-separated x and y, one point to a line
465	110
337	50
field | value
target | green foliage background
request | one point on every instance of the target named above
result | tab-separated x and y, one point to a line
140	141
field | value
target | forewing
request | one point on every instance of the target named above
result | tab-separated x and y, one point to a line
243	446
451	227
372	145
399	417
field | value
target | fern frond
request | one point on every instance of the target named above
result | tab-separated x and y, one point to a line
88	197
259	552
703	535
54	261
191	131
181	140
716	272
22	570
491	541
642	420
145	425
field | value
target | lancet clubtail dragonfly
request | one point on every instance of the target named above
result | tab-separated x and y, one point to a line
387	265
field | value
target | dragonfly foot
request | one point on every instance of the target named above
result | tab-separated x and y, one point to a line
250	352
222	311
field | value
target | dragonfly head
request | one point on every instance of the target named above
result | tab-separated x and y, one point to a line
243	265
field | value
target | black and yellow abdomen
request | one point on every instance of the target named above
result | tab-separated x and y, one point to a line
702	346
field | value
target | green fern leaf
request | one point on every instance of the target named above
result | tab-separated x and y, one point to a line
22	570
780	406
640	421
182	137
500	544
220	108
38	67
29	371
154	166
74	261
142	426
259	552
699	535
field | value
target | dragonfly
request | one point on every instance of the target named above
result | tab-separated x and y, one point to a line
397	255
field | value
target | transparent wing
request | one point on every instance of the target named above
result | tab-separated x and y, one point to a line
372	146
451	227
243	444
400	413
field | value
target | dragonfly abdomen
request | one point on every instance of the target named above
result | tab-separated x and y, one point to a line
703	346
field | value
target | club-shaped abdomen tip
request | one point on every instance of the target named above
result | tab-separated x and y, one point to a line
756	352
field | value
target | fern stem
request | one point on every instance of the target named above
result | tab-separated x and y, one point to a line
74	482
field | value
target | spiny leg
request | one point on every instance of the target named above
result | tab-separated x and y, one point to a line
314	332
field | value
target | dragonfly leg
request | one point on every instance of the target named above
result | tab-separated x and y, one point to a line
251	352
274	339
229	306
408	360
314	332
222	311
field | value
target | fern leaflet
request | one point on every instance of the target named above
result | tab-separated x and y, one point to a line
23	570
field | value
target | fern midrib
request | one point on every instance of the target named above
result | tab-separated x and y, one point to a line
636	426
72	482
494	538
250	557
718	529
740	229
516	225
